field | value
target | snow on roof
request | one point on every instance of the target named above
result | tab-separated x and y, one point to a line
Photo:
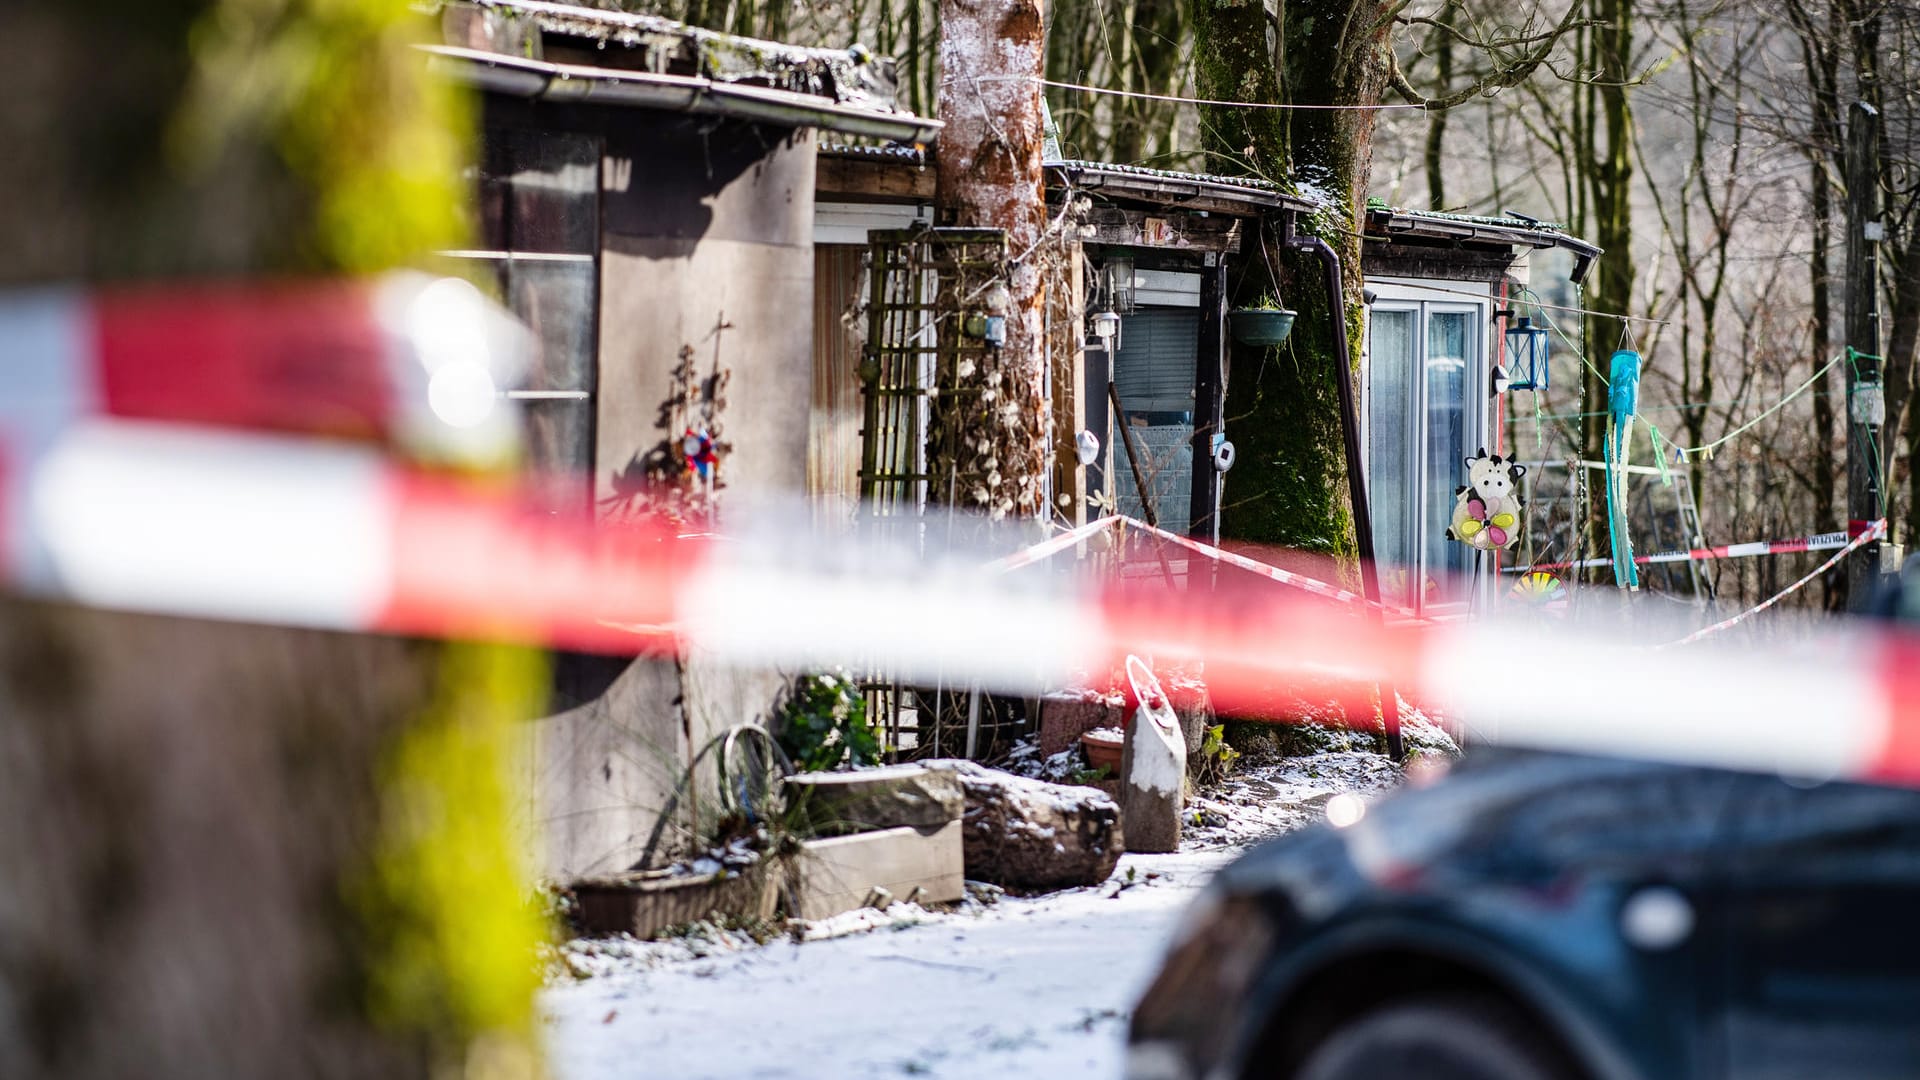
657	46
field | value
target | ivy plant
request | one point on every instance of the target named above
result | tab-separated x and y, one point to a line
823	724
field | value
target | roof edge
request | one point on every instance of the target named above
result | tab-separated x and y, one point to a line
1387	222
540	79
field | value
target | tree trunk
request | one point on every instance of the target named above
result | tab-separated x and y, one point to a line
232	850
1826	465
1609	181
989	176
1442	43
1289	487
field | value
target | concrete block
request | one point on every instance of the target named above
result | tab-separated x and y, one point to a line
840	873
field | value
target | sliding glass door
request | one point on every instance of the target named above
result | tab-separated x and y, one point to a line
1426	413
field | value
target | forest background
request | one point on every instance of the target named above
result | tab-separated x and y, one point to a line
1702	143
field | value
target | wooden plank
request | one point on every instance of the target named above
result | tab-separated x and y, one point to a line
841	873
1384	258
1177	230
884	180
1066	323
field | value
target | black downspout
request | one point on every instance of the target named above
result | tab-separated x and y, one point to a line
1356	481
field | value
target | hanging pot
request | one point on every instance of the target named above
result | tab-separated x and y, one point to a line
1260	326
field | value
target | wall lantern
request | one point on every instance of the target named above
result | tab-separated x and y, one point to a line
1526	366
1086	447
1106	327
1502	382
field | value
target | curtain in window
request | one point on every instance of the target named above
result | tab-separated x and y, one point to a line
1390	450
1449	347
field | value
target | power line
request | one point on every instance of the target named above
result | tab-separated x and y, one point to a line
1209	101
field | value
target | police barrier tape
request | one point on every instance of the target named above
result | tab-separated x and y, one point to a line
1875	530
1818	542
1056	544
148	517
407	360
1052	545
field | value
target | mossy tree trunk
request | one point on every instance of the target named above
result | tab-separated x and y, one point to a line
234	850
1330	62
1289	486
1604	142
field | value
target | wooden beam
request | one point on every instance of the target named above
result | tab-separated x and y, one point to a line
1387	259
1170	229
1209	395
888	181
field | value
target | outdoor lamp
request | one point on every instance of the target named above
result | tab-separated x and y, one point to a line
1106	327
1526	354
1502	382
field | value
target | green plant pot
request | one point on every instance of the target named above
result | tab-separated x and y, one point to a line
1260	326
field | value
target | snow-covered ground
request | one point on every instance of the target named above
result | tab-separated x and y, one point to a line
1024	988
1020	988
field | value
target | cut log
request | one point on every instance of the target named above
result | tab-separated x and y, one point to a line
1030	834
842	873
1194	706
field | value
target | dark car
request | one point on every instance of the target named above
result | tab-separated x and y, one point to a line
1547	917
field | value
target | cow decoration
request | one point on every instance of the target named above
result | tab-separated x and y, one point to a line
1486	512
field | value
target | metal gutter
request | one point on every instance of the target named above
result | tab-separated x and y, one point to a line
539	79
1171	190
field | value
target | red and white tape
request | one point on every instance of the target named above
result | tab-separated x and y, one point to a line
1053	545
1875	530
408	360
1829	541
1056	544
155	518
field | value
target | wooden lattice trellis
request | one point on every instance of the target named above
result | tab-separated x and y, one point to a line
922	377
920	359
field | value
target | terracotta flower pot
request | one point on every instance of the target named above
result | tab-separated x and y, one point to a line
1104	747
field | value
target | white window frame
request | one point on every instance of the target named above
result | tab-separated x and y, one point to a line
1426	298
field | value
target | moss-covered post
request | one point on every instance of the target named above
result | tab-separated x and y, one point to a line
239	850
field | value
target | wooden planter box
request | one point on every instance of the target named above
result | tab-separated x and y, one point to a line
645	904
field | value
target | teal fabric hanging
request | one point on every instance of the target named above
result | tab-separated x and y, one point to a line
1623	401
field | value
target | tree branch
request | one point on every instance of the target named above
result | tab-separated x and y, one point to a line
1500	77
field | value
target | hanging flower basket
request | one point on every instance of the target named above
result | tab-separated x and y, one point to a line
1260	326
